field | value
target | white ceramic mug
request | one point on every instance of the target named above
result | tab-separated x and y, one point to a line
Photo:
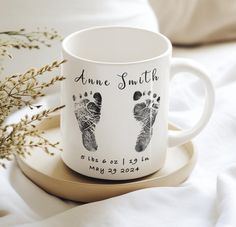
115	123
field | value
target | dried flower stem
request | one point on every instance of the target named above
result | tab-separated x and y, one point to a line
17	91
25	40
22	137
21	90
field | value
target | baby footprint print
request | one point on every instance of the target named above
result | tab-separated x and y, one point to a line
87	112
145	112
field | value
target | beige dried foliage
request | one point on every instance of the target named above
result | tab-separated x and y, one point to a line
20	90
23	39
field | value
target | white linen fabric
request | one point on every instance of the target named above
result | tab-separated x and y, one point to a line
207	198
227	197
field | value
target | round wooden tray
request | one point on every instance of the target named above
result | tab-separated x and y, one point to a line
51	174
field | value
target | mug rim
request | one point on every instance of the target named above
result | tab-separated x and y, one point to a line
70	36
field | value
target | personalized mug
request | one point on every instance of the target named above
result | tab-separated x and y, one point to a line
115	123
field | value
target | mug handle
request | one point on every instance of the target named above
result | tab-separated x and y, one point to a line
178	65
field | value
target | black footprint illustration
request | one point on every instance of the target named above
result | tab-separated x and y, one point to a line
145	112
87	112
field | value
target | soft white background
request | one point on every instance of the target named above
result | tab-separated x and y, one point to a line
66	17
207	199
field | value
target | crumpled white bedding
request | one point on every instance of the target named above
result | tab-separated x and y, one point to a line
207	198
